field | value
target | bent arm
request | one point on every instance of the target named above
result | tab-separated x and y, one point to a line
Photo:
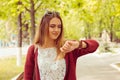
87	46
91	45
82	46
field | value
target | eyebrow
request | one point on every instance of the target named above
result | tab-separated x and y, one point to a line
54	24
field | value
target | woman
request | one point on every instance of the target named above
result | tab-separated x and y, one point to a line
51	58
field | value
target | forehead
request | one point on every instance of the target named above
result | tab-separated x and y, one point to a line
55	20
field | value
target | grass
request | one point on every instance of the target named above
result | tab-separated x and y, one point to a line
9	69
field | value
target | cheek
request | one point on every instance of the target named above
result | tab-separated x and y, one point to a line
49	30
60	30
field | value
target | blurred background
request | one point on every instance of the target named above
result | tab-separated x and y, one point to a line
82	19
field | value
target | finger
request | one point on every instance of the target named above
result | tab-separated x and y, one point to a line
61	49
64	50
69	43
66	46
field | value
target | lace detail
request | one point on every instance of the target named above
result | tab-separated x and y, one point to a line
49	68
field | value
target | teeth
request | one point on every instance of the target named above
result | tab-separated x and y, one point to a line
54	32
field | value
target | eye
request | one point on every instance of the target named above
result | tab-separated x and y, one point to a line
52	25
59	26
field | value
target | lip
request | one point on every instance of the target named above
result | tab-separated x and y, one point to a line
55	33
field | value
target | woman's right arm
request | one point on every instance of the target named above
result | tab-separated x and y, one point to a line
29	64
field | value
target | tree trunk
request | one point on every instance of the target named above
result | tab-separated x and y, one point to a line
32	14
111	28
100	23
19	54
88	30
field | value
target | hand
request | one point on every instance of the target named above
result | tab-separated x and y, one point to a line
69	46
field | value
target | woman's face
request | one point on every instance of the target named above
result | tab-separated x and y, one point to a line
54	28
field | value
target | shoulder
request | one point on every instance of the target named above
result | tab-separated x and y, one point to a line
30	49
31	46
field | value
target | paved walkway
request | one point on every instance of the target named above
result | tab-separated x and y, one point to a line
92	67
5	52
89	67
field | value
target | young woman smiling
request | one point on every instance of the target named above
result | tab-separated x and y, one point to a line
52	58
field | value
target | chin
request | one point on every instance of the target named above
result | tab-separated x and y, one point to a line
54	38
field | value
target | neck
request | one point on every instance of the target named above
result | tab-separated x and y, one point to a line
49	43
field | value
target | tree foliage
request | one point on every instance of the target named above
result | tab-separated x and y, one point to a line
81	18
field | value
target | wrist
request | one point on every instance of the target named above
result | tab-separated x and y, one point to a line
80	44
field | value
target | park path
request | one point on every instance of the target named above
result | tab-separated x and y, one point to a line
94	67
11	51
89	67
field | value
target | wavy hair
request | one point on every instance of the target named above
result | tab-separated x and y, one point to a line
42	31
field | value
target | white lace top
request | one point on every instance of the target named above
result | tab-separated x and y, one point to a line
50	69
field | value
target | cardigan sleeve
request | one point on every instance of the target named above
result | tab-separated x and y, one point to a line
29	64
92	46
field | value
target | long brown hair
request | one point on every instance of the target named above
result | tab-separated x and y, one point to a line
42	31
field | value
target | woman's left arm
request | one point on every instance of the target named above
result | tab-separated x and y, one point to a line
88	46
92	45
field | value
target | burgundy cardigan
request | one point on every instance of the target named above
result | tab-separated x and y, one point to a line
31	66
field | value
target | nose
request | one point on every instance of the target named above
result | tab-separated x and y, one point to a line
56	28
